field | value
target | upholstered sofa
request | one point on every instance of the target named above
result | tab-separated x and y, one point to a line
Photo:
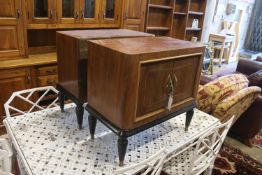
250	122
227	96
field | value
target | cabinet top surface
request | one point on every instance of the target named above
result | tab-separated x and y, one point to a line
143	45
103	33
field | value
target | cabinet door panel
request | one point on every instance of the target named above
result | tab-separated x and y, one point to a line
7	8
185	72
41	11
110	11
153	92
134	15
11	29
68	11
153	86
89	11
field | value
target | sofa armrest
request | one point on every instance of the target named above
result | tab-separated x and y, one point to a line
248	67
236	104
250	122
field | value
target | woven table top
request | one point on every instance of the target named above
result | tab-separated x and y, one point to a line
49	142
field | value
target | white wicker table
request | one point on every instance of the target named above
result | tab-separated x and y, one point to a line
51	143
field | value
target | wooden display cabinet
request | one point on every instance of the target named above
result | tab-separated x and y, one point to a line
134	84
11	28
12	80
72	55
43	14
133	14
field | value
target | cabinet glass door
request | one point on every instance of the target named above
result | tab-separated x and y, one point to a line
111	10
41	11
68	11
89	11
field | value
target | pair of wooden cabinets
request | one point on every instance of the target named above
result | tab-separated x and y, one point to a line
59	12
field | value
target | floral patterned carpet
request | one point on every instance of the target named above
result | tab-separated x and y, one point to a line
232	161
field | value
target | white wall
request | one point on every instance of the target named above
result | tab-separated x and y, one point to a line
215	26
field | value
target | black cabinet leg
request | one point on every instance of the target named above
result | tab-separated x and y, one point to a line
122	146
92	125
79	115
61	101
189	116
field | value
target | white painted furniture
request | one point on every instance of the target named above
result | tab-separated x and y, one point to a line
191	159
5	157
49	141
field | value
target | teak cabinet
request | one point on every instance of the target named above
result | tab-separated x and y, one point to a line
137	83
72	61
11	29
131	87
61	12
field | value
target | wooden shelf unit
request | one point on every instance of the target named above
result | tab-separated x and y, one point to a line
159	17
174	18
196	11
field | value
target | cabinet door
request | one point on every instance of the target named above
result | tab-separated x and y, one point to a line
154	92
134	14
41	11
89	11
11	29
10	81
110	10
68	11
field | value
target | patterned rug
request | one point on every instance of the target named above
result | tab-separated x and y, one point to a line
232	161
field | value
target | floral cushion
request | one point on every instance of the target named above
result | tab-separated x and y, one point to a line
236	104
213	92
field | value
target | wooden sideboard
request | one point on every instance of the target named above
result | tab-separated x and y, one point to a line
72	62
136	83
19	74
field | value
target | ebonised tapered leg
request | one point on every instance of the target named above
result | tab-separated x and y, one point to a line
61	101
92	125
122	146
79	115
189	116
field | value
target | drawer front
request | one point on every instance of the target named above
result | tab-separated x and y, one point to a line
46	70
155	77
50	80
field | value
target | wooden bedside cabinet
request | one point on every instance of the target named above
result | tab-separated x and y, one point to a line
72	62
136	83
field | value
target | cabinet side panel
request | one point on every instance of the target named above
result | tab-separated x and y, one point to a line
110	85
67	60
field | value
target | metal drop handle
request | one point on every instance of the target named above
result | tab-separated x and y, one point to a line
51	14
18	14
171	86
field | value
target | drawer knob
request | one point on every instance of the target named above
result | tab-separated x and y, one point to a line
50	71
49	82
